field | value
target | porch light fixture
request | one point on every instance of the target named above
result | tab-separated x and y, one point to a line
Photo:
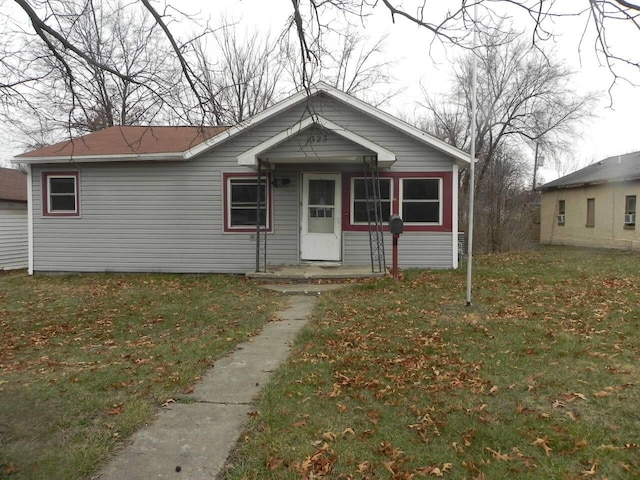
280	182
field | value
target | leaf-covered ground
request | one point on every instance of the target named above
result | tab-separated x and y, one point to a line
538	379
85	360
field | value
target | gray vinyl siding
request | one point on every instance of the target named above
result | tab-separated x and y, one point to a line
415	249
329	145
168	216
13	236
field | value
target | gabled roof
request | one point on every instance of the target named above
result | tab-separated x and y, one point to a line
462	158
613	169
13	185
125	143
182	143
250	157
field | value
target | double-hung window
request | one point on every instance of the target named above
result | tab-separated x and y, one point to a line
561	212
421	201
61	194
363	210
630	211
246	203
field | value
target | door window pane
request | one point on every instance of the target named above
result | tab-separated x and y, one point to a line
321	196
321	192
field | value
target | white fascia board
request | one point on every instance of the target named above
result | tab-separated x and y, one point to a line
149	157
255	120
250	157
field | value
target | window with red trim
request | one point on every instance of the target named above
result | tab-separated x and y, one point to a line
61	195
421	201
360	190
241	203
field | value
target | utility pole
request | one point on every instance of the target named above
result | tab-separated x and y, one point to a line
472	175
538	161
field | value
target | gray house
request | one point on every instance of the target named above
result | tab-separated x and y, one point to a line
13	219
312	179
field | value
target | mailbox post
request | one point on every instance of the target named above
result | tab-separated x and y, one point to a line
396	227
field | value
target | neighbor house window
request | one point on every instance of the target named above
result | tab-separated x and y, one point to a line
591	212
60	194
242	197
561	207
421	201
359	190
630	211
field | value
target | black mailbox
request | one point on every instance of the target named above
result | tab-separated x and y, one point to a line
396	224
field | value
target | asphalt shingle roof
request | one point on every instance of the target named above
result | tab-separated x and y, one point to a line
612	169
127	140
13	185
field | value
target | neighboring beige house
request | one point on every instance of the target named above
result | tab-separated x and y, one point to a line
595	206
13	219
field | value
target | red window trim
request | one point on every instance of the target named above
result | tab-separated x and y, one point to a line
45	193
447	200
225	193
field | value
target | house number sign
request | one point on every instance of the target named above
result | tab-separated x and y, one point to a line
316	139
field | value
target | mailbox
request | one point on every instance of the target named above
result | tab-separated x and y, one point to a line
396	224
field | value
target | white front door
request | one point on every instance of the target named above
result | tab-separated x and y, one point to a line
321	235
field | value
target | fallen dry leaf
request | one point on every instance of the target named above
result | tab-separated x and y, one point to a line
544	443
329	436
116	409
592	470
497	455
274	463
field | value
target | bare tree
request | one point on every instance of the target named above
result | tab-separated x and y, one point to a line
524	98
126	49
49	22
357	66
246	75
453	23
523	94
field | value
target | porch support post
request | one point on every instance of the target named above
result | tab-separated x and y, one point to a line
258	215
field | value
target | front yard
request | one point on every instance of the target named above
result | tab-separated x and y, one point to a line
85	360
539	379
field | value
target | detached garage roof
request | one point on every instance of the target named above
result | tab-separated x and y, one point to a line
612	169
13	185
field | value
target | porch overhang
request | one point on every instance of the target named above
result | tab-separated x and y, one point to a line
251	157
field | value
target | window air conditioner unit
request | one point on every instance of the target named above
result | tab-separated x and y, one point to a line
630	219
561	218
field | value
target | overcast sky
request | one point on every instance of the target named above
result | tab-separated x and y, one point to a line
614	131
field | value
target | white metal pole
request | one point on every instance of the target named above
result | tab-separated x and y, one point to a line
472	169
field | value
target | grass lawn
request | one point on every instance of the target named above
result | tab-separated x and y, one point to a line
85	360
538	379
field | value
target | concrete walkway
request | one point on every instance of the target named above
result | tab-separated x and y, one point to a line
193	440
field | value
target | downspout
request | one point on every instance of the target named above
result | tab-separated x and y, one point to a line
30	218
454	216
258	215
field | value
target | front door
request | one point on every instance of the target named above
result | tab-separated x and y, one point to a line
321	234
